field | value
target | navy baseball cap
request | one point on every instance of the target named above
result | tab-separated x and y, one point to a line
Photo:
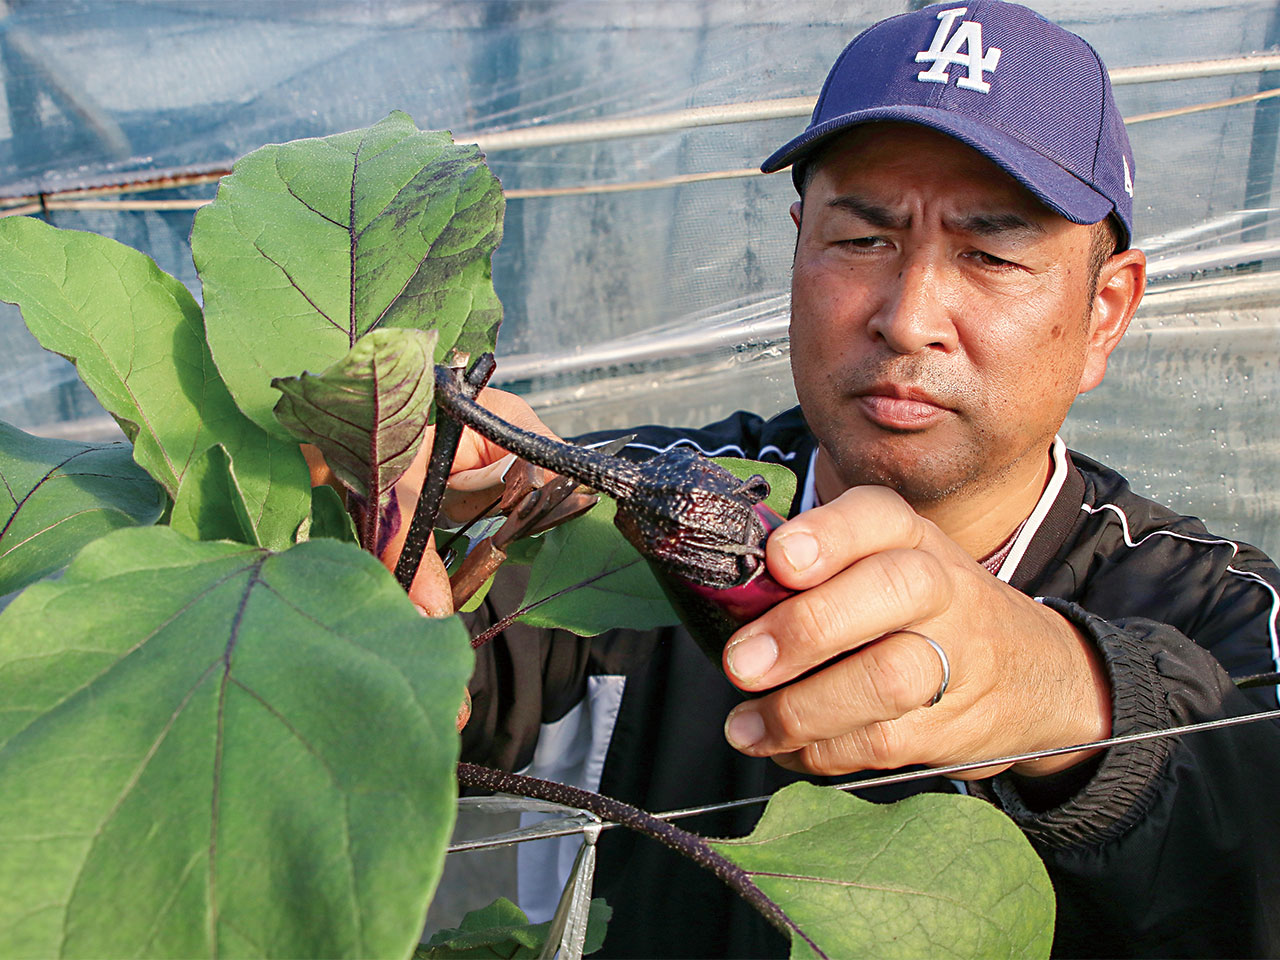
1032	97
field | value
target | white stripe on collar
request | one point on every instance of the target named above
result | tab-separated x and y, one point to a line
1029	529
1059	476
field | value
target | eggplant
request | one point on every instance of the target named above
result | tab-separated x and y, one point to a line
701	529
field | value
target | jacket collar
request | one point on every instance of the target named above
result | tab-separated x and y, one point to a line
1046	527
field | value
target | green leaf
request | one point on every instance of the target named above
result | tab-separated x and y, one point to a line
136	337
210	505
309	245
271	473
782	482
617	586
368	412
59	495
932	875
502	930
207	749
329	518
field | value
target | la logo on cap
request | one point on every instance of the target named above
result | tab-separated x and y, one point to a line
963	49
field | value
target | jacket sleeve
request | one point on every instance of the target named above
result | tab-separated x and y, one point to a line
1172	846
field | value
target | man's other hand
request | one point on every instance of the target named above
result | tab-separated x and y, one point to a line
478	468
875	579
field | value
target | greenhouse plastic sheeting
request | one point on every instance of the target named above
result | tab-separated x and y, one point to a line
645	274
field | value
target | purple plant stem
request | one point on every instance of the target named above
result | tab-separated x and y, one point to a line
480	639
443	449
633	818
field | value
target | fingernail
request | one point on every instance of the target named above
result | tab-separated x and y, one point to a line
421	610
752	657
743	728
800	550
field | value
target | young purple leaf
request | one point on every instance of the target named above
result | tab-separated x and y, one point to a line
368	415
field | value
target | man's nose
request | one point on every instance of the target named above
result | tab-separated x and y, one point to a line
913	315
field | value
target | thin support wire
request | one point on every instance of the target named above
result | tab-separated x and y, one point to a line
565	830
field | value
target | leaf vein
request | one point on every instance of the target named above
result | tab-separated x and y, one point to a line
289	187
19	504
123	795
294	283
167	906
359	646
353	239
131	650
219	741
963	904
293	731
57	523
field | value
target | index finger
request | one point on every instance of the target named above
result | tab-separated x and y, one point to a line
475	451
818	544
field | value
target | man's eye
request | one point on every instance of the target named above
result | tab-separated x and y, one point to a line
990	260
863	243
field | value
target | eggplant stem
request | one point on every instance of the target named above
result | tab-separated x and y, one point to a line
443	449
615	811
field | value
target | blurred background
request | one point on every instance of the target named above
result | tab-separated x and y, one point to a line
645	267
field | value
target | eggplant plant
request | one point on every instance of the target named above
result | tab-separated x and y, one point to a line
224	729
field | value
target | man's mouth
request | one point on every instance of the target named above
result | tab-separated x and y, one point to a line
900	408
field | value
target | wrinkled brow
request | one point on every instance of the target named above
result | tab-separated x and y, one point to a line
978	224
872	213
994	224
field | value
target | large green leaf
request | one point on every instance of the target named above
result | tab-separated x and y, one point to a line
587	579
58	495
309	245
208	749
618	588
368	412
136	337
930	876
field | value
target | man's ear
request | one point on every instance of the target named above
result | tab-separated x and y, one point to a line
796	209
1121	283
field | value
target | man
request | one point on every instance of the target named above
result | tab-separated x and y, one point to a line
962	271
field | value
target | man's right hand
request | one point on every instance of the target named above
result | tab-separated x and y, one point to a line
874	580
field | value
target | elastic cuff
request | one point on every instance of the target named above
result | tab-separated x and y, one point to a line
1122	789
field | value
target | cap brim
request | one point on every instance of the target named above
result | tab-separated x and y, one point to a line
1055	187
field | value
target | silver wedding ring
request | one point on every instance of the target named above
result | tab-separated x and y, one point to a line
946	664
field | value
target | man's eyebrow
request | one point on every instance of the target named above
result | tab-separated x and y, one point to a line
872	213
994	224
979	224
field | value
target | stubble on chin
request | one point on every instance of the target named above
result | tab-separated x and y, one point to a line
924	478
925	467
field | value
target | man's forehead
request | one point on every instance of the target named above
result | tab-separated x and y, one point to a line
882	165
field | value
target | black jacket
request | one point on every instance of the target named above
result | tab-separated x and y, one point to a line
1166	848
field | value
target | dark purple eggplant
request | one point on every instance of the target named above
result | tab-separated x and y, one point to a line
701	529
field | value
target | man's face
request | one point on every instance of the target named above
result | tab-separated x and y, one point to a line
940	316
